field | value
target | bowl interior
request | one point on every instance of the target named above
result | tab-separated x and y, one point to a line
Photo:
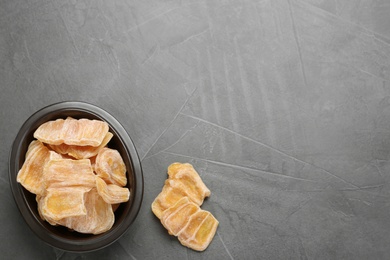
59	236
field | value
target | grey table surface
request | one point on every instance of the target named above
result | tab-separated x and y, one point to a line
283	107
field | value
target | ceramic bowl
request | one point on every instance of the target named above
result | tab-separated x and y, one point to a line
58	236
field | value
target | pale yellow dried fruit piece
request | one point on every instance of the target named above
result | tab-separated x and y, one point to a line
60	148
81	132
183	181
40	201
176	217
50	132
167	198
98	219
81	152
62	202
112	193
187	175
32	147
110	166
84	131
199	231
68	172
31	173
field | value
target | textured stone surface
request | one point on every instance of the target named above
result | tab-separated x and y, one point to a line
282	106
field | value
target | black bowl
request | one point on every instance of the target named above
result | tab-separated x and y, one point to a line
61	237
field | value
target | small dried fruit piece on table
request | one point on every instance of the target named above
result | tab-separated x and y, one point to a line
178	207
183	181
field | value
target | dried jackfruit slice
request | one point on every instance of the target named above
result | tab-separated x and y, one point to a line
60	148
32	147
167	198
98	219
50	132
84	131
183	181
111	193
40	201
67	172
53	156
186	173
199	231
176	217
81	152
62	202
110	167
189	188
31	173
81	132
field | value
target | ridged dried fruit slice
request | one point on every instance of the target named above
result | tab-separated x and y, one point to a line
31	173
199	231
98	219
111	193
68	172
81	152
63	202
60	148
183	181
110	167
50	132
32	147
40	200
186	174
81	132
175	218
167	198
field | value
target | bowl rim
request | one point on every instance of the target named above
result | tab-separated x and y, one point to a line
100	241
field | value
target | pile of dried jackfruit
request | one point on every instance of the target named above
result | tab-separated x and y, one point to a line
77	179
178	207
